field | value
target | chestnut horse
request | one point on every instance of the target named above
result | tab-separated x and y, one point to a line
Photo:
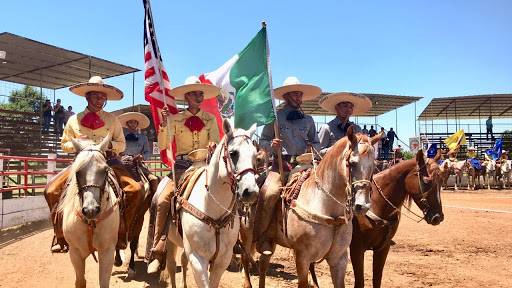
318	223
417	179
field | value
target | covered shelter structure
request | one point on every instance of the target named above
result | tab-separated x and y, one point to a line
443	116
28	62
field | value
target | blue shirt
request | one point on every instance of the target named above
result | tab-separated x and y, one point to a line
137	143
296	135
332	132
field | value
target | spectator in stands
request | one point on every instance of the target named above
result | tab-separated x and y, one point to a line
68	113
47	116
391	137
58	117
372	131
382	143
488	124
365	131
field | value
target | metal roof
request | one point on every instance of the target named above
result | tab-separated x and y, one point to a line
38	64
382	103
469	107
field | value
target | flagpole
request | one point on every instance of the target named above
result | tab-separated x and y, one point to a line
162	88
277	131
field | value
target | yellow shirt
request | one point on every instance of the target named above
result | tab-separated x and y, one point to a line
75	130
186	140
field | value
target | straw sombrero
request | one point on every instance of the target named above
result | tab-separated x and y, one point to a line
198	155
303	159
96	84
293	84
362	104
471	148
139	117
192	83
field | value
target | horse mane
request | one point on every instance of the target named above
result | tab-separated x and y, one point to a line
333	154
396	170
81	159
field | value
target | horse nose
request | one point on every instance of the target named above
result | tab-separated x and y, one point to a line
249	196
361	208
91	212
436	219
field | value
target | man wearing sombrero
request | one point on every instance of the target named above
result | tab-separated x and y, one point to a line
192	129
343	105
94	124
297	133
297	130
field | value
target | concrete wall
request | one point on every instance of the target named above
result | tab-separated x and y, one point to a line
20	211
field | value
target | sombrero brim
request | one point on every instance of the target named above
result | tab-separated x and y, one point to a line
306	158
209	91
198	155
309	92
112	92
362	104
139	117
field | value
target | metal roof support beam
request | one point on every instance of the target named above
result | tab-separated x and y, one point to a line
478	107
42	68
445	108
506	110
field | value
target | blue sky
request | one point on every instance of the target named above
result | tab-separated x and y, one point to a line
420	48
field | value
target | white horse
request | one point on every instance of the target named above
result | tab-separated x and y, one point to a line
490	172
456	168
506	170
90	211
209	219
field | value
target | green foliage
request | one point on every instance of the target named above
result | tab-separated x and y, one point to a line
27	99
407	155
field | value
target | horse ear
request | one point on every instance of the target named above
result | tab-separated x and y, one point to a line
352	137
77	145
438	155
227	127
420	160
104	145
376	138
252	130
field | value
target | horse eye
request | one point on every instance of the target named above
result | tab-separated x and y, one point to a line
234	155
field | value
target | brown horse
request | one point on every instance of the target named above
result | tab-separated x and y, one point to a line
417	179
318	223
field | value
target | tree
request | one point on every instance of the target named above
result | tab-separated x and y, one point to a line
27	99
507	140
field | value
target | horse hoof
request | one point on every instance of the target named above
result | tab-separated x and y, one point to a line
118	262
153	266
131	273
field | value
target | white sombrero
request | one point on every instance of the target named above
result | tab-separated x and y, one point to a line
362	104
303	159
192	83
96	84
471	148
139	117
293	84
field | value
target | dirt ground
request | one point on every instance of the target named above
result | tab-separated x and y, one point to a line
471	248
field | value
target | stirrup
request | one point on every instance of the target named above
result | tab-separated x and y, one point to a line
62	247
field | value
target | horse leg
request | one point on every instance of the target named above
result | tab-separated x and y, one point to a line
357	258
184	268
106	262
246	265
171	261
338	266
199	269
118	259
302	266
313	275
219	266
264	262
134	243
379	260
79	265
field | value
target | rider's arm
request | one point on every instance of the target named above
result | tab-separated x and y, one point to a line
67	135
146	152
267	134
324	136
166	135
214	130
118	141
313	136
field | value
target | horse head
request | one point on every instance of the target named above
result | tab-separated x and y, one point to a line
241	154
428	198
506	166
90	169
361	160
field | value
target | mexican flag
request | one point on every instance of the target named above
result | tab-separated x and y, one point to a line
245	84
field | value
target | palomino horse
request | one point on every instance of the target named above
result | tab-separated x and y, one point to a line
318	223
474	176
417	179
90	211
506	170
209	218
456	168
490	172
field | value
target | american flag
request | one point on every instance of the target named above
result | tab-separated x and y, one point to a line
155	76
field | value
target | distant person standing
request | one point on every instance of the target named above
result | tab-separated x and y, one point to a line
488	125
391	137
365	131
58	117
47	116
372	131
68	113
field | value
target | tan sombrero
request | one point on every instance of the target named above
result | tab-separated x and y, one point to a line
192	83
198	155
96	84
471	148
293	84
139	117
306	158
362	104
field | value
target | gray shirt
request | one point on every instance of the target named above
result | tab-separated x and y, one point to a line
332	132
296	134
139	146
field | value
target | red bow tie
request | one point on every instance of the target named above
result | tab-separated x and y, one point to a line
194	123
92	121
